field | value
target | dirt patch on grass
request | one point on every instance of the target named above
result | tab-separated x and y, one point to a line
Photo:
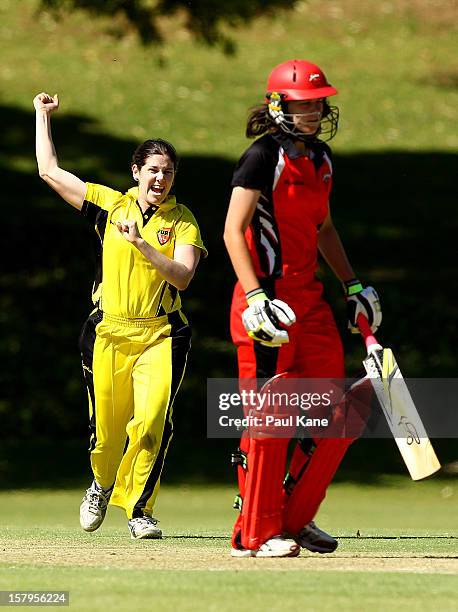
210	555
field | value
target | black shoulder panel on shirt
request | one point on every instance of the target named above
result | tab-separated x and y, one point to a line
90	211
96	216
255	168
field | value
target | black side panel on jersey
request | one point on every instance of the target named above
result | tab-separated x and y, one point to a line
160	308
256	170
267	237
97	217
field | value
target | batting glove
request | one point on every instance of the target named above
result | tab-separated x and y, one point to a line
262	319
362	301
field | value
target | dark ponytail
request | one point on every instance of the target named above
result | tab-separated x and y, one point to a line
259	122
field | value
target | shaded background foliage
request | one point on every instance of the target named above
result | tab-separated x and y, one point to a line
393	203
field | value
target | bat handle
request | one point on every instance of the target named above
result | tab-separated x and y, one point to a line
366	332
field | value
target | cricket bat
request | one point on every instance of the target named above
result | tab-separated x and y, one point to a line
398	407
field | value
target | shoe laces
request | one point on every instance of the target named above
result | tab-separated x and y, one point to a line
141	520
97	500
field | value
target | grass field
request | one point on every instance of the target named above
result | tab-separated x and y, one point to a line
405	558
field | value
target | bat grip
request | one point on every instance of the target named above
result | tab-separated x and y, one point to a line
366	332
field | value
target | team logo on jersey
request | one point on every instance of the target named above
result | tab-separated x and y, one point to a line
163	235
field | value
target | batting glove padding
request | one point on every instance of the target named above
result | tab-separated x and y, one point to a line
364	301
262	319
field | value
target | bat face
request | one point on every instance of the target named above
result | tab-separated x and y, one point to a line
402	416
388	383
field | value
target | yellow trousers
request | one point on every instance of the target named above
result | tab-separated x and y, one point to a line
138	366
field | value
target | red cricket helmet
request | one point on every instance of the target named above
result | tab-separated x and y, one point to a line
299	80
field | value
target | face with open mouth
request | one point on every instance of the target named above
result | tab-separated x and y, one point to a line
306	114
155	179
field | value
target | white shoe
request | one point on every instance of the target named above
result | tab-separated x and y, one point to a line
279	547
144	527
315	539
94	507
275	547
242	552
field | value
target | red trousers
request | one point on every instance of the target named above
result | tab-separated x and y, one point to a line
314	351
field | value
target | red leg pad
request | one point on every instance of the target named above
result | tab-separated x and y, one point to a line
308	493
261	516
244	446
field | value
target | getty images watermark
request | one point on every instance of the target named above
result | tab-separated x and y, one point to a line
329	408
276	409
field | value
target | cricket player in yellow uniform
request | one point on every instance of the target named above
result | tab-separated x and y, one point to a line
150	250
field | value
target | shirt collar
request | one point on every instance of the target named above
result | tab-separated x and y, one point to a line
287	144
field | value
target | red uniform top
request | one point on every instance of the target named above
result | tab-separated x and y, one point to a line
283	235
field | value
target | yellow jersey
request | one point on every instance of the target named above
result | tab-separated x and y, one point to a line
130	286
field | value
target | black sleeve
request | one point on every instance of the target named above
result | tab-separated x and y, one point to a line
254	169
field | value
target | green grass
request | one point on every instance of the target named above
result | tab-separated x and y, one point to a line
190	569
392	63
394	506
213	591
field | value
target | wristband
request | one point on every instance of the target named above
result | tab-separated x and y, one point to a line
352	287
256	295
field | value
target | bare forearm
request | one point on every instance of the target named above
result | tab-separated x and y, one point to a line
174	272
332	250
66	184
44	146
241	260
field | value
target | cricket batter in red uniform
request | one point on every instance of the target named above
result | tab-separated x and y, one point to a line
278	220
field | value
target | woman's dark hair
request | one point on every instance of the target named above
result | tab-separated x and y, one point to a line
156	146
259	122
